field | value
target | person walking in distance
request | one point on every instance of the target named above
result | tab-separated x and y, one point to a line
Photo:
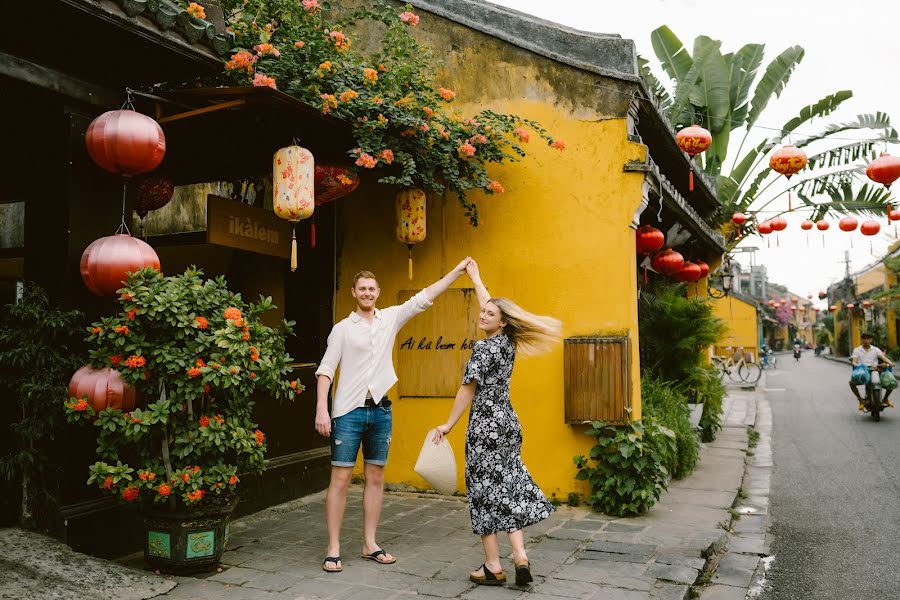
501	493
361	346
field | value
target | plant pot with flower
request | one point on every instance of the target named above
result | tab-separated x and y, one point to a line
200	356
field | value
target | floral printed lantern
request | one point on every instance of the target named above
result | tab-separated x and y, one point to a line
331	182
410	204
106	262
788	160
125	142
293	183
103	388
693	140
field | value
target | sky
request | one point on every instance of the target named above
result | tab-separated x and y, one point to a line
848	47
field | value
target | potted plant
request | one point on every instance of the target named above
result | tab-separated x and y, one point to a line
199	356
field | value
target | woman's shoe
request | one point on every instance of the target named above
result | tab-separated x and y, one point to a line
523	574
489	577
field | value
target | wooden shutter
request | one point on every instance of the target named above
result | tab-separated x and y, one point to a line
597	379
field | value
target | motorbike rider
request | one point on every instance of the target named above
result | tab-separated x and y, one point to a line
873	358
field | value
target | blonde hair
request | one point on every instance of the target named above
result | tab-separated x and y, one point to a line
532	334
363	275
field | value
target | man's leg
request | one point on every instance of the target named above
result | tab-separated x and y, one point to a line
855	391
335	503
376	443
373	497
885	400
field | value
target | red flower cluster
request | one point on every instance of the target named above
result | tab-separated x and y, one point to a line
201	322
195	495
131	314
130	493
218	419
193	372
164	490
108	483
260	436
116	359
126	297
79	406
133	362
146	475
123	329
233	479
204	421
234	314
185	477
96	329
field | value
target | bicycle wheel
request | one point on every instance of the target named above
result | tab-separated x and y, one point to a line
750	372
734	374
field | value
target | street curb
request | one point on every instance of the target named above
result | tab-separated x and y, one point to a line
841	359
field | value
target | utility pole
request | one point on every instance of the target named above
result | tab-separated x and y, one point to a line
847	264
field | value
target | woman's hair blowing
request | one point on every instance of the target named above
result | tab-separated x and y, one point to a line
532	334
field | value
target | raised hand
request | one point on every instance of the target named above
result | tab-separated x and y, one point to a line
463	264
472	269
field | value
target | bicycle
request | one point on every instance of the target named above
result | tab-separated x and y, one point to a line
747	372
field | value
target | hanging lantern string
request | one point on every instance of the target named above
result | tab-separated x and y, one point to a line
123	227
697	115
129	100
659	212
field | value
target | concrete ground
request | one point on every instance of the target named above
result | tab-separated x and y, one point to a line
276	554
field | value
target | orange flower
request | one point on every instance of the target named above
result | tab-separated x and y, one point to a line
447	94
80	405
96	330
466	150
234	370
310	6
115	359
108	482
123	329
151	476
298	44
260	436
428	111
523	134
215	366
218	419
408	132
130	493
201	322
233	480
329	102
325	66
341	42
263	49
245	337
164	490
204	421
260	80
196	11
185	477
193	372
252	375
234	314
195	496
241	61
133	362
195	469
495	187
200	362
126	297
366	160
348	95
146	475
371	75
558	145
382	68
409	18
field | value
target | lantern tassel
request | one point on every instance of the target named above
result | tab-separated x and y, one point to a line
294	250
410	266
691	180
789	201
312	233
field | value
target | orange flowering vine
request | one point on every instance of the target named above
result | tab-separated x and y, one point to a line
196	11
130	493
260	437
80	405
164	490
204	421
133	362
201	322
193	372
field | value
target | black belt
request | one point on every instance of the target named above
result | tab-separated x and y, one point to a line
370	402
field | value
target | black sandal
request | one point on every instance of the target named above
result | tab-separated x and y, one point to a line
335	560
523	574
489	577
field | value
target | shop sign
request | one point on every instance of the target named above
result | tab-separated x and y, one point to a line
236	225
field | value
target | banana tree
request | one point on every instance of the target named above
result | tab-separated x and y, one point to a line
717	91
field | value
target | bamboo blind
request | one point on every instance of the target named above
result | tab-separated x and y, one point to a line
597	381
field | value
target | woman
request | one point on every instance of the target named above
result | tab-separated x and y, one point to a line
502	495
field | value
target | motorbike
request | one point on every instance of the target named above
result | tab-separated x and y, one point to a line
819	349
873	395
797	352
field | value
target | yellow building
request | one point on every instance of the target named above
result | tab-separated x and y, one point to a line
872	310
741	316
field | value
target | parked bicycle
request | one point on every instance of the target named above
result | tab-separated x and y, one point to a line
740	370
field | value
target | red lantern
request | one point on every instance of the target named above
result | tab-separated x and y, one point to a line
738	218
332	182
152	193
772	303
648	239
704	268
668	262
847	224
778	224
795	300
693	140
832	308
851	306
690	272
822	225
822	295
894	214
788	161
866	304
806	225
809	296
125	142
106	262
793	309
764	228
783	301
870	227
104	389
884	170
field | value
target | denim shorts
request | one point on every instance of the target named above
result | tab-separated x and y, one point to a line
367	425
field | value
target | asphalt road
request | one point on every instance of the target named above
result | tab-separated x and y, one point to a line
835	497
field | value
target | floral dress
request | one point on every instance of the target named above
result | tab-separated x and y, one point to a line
502	495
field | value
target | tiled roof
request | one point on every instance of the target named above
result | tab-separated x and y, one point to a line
169	16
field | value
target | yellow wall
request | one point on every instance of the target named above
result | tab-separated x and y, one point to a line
740	317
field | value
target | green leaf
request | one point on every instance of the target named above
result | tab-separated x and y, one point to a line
822	108
744	66
712	88
777	74
874	121
672	54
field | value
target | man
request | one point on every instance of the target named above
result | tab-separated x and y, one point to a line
362	346
872	357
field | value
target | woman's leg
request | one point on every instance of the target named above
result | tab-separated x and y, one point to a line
491	555
517	541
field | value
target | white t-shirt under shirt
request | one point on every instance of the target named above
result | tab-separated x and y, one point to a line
868	357
364	353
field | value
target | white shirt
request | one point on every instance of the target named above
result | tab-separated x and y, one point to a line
868	357
364	353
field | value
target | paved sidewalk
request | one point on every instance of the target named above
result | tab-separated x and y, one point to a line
276	554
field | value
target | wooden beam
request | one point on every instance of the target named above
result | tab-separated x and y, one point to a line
57	82
201	111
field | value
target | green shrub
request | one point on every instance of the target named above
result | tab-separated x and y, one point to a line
630	474
662	402
707	388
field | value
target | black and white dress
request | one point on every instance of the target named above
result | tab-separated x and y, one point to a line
502	495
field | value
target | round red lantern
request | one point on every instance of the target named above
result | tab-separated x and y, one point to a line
764	228
125	142
784	301
152	193
847	224
884	170
693	140
648	239
788	161
104	388
870	227
851	306
822	295
772	303
668	262
793	309
778	224
704	268
806	225
832	308
106	262
333	182
866	304
795	300
822	225
738	218
690	272
894	214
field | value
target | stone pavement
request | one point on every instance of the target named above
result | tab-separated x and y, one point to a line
678	548
276	554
